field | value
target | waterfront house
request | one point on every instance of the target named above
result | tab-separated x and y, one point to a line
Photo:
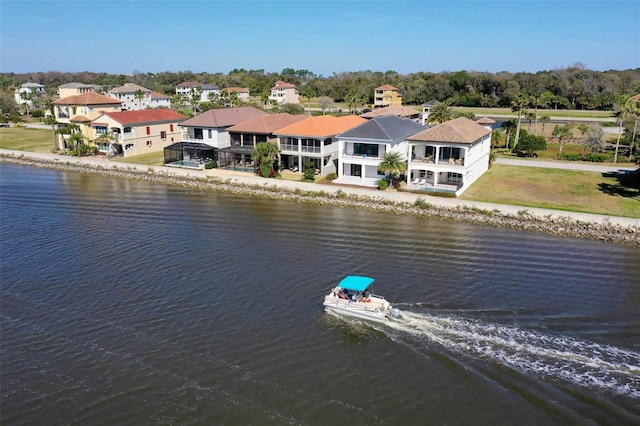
386	95
449	156
187	88
246	135
129	133
72	89
284	93
81	110
314	140
211	126
363	147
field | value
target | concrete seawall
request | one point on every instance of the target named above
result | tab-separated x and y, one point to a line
583	225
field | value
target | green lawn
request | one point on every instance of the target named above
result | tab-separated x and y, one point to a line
557	189
150	159
26	139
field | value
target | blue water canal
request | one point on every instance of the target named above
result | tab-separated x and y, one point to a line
125	302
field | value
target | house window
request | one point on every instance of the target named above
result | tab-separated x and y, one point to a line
149	143
148	130
171	127
356	170
163	135
370	150
127	130
454	177
197	134
101	130
209	134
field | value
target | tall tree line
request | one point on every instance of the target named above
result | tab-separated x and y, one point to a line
574	87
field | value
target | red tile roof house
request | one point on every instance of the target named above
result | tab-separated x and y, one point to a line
313	140
137	132
284	93
246	135
449	156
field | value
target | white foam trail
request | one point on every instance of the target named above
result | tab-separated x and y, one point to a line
577	361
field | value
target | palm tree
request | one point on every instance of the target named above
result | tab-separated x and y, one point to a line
518	104
109	137
530	116
626	107
508	127
265	155
26	97
50	120
441	113
544	120
139	95
393	164
562	133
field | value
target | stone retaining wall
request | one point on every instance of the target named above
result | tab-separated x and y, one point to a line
554	225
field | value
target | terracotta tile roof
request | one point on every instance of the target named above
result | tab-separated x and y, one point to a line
283	85
458	130
266	124
386	87
79	119
143	116
129	88
223	117
399	110
322	126
485	120
89	98
189	84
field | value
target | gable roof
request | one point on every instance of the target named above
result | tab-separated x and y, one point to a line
143	116
237	89
129	88
223	117
157	95
266	124
399	110
388	128
458	130
432	102
89	98
75	85
485	120
321	126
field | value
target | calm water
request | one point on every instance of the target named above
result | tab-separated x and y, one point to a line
126	302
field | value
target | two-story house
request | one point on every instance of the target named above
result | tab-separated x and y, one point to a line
449	156
243	93
314	140
27	92
129	133
427	107
187	88
284	93
386	95
73	89
211	126
135	97
246	135
362	148
81	110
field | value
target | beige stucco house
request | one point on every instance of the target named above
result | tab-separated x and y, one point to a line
284	93
385	96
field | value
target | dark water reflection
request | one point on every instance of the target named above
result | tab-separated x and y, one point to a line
132	303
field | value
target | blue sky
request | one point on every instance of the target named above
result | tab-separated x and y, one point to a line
324	37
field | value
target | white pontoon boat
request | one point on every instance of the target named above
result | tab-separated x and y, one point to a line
352	297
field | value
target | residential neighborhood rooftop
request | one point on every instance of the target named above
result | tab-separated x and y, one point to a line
267	124
458	130
223	117
89	98
321	126
144	116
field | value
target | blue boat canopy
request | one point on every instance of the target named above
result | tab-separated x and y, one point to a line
356	282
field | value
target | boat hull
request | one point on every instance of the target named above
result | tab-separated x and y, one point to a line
357	310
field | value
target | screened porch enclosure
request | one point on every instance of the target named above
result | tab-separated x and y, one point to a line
189	154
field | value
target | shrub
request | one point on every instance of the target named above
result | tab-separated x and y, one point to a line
570	156
383	184
211	165
309	171
331	176
596	158
422	204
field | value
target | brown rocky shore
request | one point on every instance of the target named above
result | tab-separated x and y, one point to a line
595	227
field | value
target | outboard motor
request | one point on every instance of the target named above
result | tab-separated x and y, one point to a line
395	313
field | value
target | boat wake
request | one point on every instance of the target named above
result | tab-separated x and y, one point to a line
553	357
